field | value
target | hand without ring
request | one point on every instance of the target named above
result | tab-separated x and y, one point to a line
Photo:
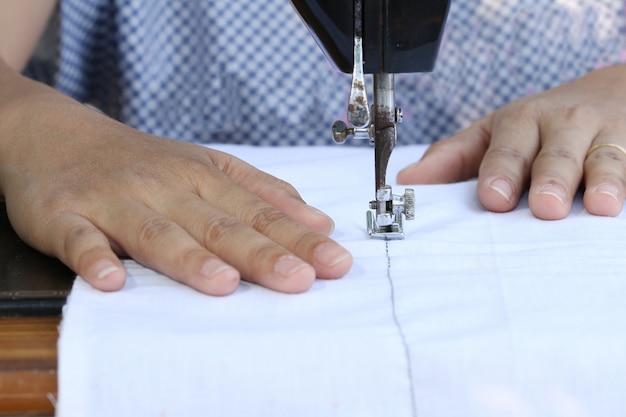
605	145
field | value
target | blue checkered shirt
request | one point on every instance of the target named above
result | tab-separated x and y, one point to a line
248	71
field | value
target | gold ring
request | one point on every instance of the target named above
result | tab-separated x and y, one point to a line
606	145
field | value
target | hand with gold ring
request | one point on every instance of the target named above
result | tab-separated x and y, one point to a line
550	144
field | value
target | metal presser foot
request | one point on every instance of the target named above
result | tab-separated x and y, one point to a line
386	221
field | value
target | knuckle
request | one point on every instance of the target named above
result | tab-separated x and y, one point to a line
264	217
78	244
280	191
73	236
509	153
558	164
560	153
56	200
224	162
574	114
522	112
607	154
197	170
153	228
148	178
307	242
264	252
282	187
217	228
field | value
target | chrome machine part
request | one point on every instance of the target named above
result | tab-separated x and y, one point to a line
390	208
381	131
358	108
380	37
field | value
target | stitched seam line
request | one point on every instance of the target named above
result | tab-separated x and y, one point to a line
405	344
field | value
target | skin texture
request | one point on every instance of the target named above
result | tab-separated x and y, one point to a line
84	188
540	143
87	189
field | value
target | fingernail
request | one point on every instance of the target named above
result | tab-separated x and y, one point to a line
329	254
553	190
213	267
503	188
288	265
105	268
607	189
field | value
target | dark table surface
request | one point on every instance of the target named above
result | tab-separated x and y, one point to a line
33	290
31	284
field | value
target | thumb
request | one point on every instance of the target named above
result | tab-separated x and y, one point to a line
453	159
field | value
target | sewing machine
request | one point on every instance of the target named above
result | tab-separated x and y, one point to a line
380	37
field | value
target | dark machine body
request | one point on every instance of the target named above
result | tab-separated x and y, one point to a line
398	35
383	38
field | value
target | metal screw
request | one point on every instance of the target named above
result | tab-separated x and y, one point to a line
399	115
341	132
409	204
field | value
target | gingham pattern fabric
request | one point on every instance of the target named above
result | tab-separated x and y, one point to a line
248	72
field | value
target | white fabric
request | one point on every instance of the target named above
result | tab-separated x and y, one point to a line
475	314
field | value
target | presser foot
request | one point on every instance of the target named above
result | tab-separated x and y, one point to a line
387	220
392	232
